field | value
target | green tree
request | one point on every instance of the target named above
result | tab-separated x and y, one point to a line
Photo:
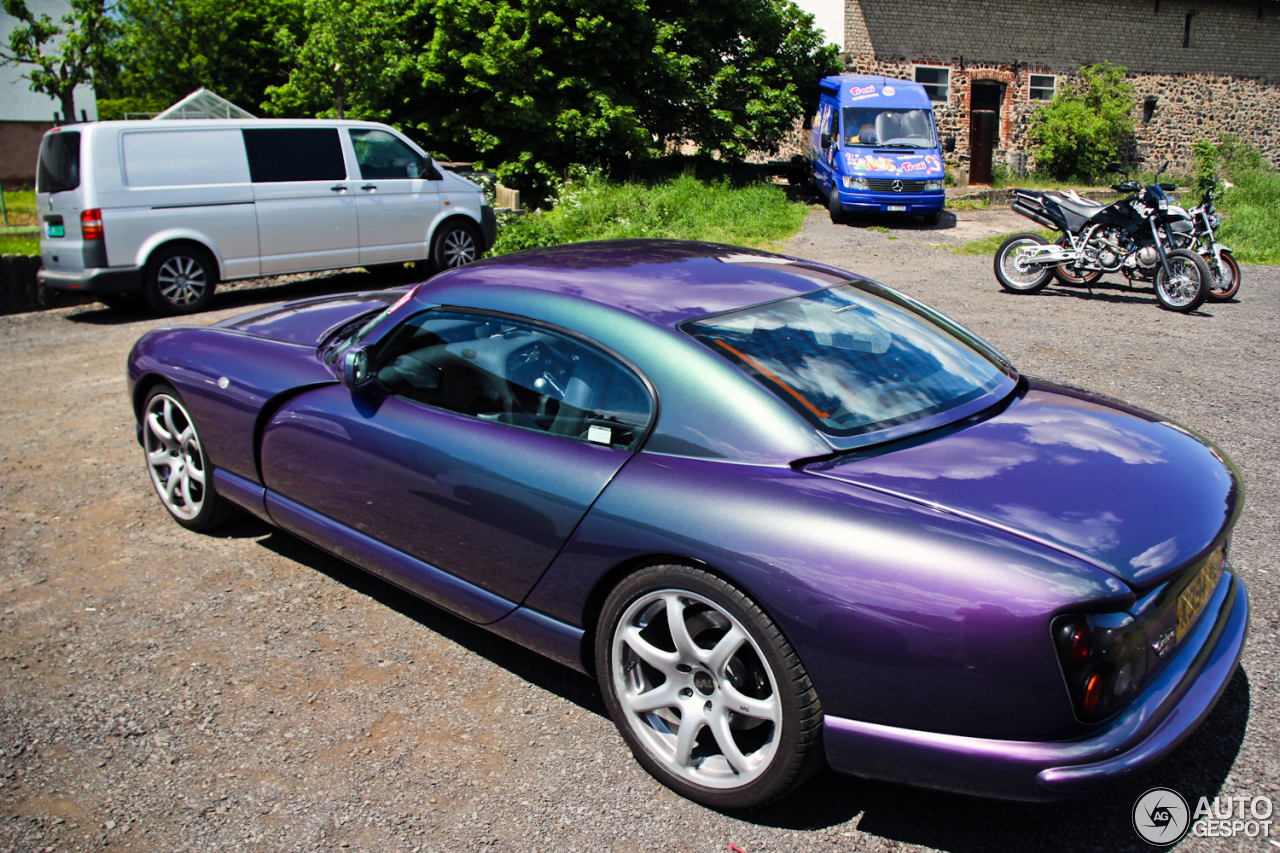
534	86
169	48
1081	129
63	53
349	62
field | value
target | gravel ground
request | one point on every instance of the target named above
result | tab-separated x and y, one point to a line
162	690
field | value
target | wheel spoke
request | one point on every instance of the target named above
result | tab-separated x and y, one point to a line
657	658
687	738
171	483
185	486
662	696
719	723
153	421
685	647
195	473
724	649
159	457
738	702
168	419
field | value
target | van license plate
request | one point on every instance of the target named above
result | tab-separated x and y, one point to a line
56	230
896	208
1197	593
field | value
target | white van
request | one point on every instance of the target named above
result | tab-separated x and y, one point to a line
170	208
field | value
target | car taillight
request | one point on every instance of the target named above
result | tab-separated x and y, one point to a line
1104	660
91	224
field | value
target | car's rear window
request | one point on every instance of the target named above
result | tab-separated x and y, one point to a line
59	168
856	357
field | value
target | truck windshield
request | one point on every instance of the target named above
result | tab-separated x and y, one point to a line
59	168
857	357
889	128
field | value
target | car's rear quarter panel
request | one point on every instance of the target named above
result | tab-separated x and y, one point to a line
900	614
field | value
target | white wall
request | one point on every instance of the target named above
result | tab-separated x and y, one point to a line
17	101
829	17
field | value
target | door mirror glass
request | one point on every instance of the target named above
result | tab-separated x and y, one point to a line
355	368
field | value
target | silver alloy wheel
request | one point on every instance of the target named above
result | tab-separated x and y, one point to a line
459	248
182	280
1183	286
174	457
1015	267
707	708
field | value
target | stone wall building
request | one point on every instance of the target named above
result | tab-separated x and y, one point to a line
1199	69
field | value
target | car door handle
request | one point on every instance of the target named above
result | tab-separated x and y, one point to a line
369	187
339	188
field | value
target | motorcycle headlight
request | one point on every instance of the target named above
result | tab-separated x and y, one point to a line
1214	221
1163	204
932	186
855	183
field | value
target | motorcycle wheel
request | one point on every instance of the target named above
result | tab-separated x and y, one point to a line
1070	277
1226	281
1188	287
1020	280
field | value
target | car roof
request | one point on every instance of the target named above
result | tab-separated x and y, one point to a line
662	281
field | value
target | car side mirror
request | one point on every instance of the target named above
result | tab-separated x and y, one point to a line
949	144
825	140
355	368
431	173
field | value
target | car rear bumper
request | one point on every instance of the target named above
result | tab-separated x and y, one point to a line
94	280
871	202
1171	707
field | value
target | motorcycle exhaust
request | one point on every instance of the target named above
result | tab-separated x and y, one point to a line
1034	215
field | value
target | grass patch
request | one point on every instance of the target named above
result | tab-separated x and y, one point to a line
988	245
20	206
757	215
980	203
20	244
1250	221
880	228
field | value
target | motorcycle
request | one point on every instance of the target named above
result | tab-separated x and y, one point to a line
1198	233
1133	236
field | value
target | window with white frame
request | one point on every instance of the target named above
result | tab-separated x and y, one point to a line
1042	86
936	81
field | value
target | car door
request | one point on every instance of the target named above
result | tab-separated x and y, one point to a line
397	197
826	125
481	445
303	200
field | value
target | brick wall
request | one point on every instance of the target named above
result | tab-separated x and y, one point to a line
1227	80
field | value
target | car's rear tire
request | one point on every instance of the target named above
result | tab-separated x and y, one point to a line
175	460
834	208
1013	278
725	669
179	279
455	244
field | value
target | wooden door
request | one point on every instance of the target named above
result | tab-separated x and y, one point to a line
984	122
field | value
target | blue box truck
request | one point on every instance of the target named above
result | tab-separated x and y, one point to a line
874	148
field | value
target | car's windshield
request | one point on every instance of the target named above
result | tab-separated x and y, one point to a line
856	357
889	128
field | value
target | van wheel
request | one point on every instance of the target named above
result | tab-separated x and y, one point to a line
834	208
455	244
931	219
179	280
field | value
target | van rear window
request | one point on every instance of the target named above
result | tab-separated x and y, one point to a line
294	154
59	168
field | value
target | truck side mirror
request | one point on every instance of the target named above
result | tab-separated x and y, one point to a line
949	144
355	368
825	140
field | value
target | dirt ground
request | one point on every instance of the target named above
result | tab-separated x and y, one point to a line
162	690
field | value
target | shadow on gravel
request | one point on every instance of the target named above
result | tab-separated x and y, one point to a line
257	293
532	667
958	823
1111	292
899	222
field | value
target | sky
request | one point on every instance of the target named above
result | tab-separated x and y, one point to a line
829	15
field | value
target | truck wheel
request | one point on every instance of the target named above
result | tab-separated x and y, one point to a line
834	208
456	243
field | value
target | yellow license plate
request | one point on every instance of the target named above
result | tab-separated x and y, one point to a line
1193	598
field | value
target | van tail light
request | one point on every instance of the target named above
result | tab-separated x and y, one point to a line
91	224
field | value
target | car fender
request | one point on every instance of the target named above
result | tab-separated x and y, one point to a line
173	235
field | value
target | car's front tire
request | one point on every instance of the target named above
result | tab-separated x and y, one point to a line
709	695
834	208
456	244
177	465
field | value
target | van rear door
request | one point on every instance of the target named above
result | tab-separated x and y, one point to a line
59	201
304	201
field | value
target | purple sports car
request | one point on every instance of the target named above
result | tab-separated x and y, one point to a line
784	514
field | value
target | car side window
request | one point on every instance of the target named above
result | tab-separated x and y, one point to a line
382	155
277	155
508	371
